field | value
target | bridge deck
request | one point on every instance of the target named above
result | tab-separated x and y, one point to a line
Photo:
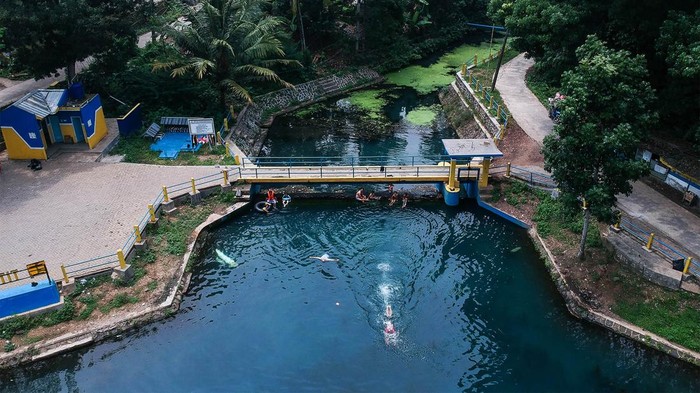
352	174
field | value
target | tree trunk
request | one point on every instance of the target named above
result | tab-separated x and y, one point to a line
357	27
70	73
582	247
301	24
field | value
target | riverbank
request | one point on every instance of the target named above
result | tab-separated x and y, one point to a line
162	278
600	289
101	307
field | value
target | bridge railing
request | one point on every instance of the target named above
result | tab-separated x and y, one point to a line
350	172
345	161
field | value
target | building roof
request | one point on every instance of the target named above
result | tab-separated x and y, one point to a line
42	102
173	121
469	148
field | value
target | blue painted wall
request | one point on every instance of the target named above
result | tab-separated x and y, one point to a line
24	123
131	122
26	298
87	112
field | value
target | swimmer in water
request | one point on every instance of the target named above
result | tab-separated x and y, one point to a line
389	328
325	258
285	200
388	313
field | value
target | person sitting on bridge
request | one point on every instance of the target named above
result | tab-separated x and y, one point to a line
360	195
394	198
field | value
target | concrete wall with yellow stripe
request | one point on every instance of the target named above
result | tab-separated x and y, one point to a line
93	121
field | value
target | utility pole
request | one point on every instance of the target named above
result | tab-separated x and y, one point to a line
503	49
500	59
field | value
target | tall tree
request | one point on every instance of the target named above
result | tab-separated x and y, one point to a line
47	35
232	42
591	153
679	46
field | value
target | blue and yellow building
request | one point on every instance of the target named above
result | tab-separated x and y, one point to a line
48	116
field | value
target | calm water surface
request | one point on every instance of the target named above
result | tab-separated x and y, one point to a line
473	307
332	131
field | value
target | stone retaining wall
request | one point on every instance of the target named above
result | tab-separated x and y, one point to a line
250	130
580	309
650	265
480	111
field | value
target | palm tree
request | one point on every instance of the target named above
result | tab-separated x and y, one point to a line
230	41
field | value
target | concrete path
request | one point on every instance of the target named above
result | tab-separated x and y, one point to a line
72	211
526	109
647	205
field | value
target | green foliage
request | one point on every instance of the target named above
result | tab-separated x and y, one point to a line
553	217
666	33
66	313
176	232
42	40
137	149
152	285
517	193
9	346
679	46
118	301
90	302
591	153
540	87
226	197
232	54
670	315
158	93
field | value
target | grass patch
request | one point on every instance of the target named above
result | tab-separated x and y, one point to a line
422	116
152	285
174	232
90	303
670	314
118	301
137	149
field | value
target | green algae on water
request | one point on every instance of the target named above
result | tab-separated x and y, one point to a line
441	73
308	112
370	101
422	116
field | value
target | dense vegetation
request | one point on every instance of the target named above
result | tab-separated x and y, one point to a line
665	33
237	48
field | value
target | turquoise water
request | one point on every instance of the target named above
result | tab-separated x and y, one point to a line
472	304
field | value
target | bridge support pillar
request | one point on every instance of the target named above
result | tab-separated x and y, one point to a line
450	194
484	177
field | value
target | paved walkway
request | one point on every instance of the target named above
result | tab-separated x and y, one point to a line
647	205
72	211
644	204
526	109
